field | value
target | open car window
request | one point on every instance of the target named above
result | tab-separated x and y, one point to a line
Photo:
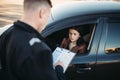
54	40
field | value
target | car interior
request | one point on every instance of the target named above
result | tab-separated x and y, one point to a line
54	40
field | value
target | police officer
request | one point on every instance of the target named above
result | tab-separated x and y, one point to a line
24	53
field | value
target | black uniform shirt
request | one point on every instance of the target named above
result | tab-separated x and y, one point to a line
26	56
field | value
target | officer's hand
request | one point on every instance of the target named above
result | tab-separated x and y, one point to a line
59	63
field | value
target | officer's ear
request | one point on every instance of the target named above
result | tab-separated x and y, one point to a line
42	13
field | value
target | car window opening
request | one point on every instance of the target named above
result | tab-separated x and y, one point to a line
87	30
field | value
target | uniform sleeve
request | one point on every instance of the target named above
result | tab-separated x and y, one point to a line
59	72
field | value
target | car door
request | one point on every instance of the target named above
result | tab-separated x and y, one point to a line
56	31
108	56
87	63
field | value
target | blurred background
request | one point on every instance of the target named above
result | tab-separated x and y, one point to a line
11	10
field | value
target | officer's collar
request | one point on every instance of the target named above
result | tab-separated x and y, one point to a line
26	27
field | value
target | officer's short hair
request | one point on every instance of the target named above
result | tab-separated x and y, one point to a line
33	4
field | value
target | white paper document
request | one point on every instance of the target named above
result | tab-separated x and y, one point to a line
64	55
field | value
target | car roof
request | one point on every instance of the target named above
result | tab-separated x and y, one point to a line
66	10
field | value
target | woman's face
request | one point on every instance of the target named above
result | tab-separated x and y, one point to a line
73	35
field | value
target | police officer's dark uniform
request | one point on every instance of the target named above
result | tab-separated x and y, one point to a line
25	56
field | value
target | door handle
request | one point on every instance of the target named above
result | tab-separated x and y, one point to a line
88	68
82	70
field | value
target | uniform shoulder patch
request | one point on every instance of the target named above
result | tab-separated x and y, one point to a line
34	40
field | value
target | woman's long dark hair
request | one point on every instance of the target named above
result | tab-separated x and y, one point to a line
80	41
